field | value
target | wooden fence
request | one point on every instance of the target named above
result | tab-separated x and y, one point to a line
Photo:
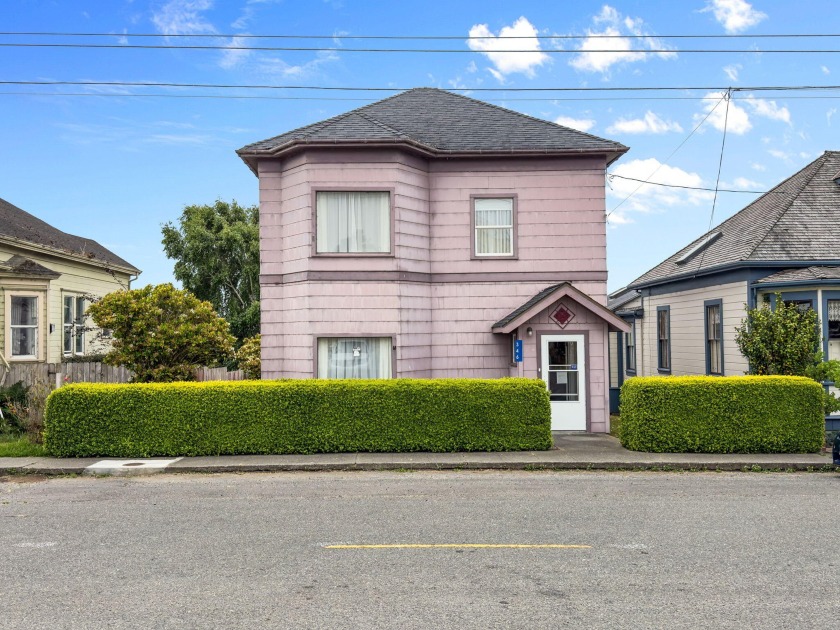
57	374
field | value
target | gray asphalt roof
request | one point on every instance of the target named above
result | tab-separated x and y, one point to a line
441	122
19	224
534	300
621	299
802	275
798	220
26	267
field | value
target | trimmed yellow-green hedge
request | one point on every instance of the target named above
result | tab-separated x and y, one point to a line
712	414
298	416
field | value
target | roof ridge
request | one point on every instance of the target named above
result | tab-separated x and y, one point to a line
793	198
529	117
379	123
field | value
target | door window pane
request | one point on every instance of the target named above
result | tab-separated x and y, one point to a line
363	357
563	374
353	222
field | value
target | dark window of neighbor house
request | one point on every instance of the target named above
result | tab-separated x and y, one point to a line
493	221
349	222
714	342
74	325
23	324
663	336
630	348
358	357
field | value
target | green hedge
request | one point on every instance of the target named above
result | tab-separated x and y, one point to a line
297	416
712	414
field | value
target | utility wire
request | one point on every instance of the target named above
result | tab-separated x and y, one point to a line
470	51
656	170
717	181
419	37
726	190
781	88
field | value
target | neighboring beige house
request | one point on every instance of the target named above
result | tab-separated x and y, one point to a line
46	279
683	312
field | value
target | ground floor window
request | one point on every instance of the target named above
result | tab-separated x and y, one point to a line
357	357
663	337
630	348
74	325
714	344
23	323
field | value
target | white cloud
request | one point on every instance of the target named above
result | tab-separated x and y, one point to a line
767	109
233	58
505	63
610	22
779	154
650	123
581	124
649	197
742	183
758	167
830	114
825	70
274	66
734	15
183	17
732	71
737	121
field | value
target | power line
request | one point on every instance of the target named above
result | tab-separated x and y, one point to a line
336	49
726	190
781	88
419	37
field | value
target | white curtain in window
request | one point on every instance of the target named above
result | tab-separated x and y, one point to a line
24	325
365	357
353	222
493	227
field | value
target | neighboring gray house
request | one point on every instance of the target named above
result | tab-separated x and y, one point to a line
683	312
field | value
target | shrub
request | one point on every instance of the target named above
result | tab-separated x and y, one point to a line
298	416
248	357
712	414
28	410
12	398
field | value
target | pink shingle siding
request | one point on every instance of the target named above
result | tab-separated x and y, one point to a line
434	300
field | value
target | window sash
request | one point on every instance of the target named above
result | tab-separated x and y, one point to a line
663	340
353	222
493	223
354	357
630	349
23	325
73	329
713	338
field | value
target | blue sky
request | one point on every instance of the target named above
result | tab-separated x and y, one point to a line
114	167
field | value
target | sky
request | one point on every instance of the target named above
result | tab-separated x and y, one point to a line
105	163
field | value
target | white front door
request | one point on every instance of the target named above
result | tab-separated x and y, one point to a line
564	371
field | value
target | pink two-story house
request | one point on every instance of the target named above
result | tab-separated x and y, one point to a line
432	235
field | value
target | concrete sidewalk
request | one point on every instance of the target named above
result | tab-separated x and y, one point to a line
571	451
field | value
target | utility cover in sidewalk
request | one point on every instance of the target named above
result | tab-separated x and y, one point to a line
129	466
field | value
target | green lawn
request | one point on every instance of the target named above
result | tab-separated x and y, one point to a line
19	446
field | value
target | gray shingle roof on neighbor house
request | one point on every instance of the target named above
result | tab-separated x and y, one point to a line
24	267
621	298
20	225
440	123
797	221
806	274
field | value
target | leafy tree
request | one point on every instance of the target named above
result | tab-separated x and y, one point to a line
217	257
162	333
780	340
248	356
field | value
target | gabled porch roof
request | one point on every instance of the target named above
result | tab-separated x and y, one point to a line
546	298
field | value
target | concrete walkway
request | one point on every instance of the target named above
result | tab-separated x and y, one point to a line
571	451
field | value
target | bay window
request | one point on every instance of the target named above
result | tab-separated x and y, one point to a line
349	222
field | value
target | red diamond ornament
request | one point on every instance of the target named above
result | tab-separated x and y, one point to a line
562	316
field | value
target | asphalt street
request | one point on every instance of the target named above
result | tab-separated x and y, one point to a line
317	550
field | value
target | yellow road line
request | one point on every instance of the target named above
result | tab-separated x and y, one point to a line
456	546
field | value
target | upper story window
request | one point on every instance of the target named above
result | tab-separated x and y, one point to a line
74	325
493	222
349	222
23	325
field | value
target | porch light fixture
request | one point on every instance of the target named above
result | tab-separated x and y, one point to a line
529	331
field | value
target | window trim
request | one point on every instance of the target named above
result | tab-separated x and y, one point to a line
659	368
627	370
40	336
317	337
514	197
352	189
73	353
706	304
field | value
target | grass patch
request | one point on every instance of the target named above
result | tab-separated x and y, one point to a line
19	446
615	425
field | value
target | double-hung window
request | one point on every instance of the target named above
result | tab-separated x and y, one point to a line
663	337
74	325
630	348
493	222
714	343
23	324
349	222
358	357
